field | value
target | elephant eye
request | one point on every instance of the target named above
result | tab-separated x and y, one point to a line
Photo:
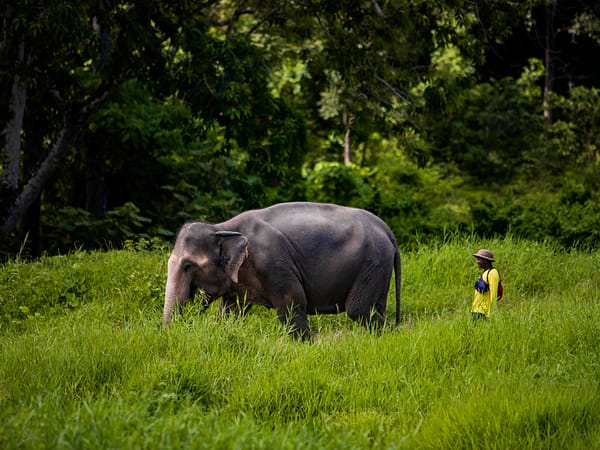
188	265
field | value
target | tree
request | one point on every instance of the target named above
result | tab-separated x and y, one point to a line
63	60
561	34
366	59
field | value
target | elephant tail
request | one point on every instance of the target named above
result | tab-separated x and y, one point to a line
398	279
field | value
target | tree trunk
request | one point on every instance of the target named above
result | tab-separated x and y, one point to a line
95	194
12	156
549	77
347	120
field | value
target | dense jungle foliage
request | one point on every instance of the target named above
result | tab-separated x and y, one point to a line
122	119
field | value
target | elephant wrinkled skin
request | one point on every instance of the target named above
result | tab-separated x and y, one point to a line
298	258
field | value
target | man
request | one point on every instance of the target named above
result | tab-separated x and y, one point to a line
486	287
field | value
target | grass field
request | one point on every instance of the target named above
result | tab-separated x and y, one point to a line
85	364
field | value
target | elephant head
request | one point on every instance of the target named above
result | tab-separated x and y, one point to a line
203	258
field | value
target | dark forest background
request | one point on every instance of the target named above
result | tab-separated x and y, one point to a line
122	119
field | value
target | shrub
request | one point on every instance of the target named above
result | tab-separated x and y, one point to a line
332	182
69	227
417	203
569	217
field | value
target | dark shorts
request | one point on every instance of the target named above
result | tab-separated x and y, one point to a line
477	317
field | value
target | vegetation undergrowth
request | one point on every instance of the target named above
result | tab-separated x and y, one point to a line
85	363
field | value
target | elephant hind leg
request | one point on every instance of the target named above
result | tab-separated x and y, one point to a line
371	317
367	299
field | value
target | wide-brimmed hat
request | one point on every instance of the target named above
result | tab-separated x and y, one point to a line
484	254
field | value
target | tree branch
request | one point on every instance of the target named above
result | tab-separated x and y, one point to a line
378	10
394	90
232	20
264	19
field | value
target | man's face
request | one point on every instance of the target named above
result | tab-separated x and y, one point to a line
482	263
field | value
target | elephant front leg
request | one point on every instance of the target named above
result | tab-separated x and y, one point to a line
232	304
293	317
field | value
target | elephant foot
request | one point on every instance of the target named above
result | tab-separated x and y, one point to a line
301	335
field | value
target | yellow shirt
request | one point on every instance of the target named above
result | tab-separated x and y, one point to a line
482	303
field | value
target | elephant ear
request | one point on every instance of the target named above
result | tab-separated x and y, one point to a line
234	251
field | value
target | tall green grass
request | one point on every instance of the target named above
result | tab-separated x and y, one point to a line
84	362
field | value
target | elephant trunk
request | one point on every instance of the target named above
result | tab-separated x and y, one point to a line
170	302
172	291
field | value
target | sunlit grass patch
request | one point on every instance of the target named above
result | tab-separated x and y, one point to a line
101	372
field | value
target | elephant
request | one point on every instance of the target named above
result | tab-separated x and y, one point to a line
300	258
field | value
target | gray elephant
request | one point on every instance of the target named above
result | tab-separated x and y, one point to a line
298	258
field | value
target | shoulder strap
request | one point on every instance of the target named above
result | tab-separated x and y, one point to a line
488	273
